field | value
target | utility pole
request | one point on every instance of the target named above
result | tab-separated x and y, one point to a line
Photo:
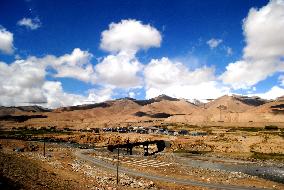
117	165
43	144
221	107
220	114
43	147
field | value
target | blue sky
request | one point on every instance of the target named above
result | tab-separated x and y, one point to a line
198	40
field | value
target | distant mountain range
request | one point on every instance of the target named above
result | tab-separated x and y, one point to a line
22	109
226	109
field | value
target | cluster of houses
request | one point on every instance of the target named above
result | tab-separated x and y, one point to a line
131	129
151	130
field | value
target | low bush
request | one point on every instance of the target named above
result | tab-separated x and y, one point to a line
271	127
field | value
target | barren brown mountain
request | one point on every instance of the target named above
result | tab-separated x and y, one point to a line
226	110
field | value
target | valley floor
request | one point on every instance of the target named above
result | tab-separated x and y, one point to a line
64	168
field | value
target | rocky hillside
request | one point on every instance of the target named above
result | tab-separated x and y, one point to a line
22	110
226	109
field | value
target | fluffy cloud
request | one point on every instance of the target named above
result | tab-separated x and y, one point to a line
100	95
56	97
21	81
75	65
129	35
119	70
263	54
273	93
201	91
164	72
131	94
29	23
263	29
6	41
213	43
174	79
244	74
25	80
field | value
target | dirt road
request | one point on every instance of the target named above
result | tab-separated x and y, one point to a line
83	154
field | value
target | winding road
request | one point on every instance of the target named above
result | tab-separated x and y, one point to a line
84	155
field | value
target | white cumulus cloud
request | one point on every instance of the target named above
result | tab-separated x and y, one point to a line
163	76
131	94
162	72
56	97
30	23
24	80
119	70
129	35
100	95
21	81
213	43
244	74
6	41
122	69
264	51
271	94
75	65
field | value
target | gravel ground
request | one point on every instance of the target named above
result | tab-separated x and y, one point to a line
17	172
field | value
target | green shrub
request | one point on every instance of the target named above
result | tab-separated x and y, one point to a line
271	127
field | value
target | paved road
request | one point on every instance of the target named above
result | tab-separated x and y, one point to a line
83	154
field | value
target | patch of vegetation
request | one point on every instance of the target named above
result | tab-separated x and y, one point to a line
191	126
281	134
161	115
196	152
248	129
267	156
279	106
271	127
86	106
25	132
184	125
140	114
254	129
156	115
20	118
